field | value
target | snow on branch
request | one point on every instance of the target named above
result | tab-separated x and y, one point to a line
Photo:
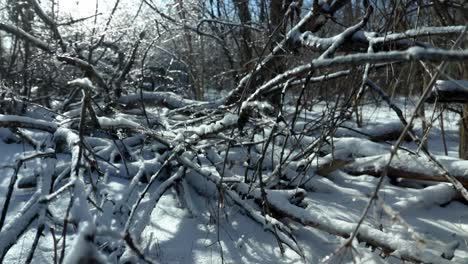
18	224
118	122
83	83
411	54
318	79
418	32
364	38
345	36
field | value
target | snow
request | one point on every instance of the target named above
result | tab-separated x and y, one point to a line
83	250
356	147
432	195
310	40
83	82
174	226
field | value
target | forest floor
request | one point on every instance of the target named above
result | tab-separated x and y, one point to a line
212	232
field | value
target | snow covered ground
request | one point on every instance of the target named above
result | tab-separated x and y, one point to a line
429	217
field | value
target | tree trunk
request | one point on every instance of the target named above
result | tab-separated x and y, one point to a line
348	14
242	7
463	147
27	18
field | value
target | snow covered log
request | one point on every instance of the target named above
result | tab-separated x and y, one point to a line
27	122
410	166
454	91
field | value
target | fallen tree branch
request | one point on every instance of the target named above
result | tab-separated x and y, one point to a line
20	33
14	177
402	166
19	223
406	250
